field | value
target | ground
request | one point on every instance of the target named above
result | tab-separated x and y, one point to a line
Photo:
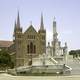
9	77
75	73
74	64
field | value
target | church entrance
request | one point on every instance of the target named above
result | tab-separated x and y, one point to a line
31	49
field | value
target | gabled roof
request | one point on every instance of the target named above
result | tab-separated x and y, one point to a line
31	29
5	43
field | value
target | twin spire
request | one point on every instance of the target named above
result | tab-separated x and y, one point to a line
18	20
42	24
17	24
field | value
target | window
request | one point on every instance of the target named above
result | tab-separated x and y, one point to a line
34	49
31	36
31	48
19	36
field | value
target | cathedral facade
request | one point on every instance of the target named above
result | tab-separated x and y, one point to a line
28	44
31	43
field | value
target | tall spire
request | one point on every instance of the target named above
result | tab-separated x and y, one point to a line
15	25
42	24
14	29
54	26
18	21
55	39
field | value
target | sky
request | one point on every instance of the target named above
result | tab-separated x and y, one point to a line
67	13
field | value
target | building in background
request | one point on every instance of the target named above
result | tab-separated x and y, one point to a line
5	44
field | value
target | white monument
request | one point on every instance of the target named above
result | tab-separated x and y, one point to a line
55	49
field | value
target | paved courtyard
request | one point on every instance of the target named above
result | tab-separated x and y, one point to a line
75	73
75	65
9	77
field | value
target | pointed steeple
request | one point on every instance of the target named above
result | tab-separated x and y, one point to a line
42	24
18	21
55	34
54	26
14	29
54	22
15	24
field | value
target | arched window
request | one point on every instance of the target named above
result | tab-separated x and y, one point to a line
34	49
31	47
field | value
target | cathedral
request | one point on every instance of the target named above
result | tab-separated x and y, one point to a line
28	44
30	54
31	43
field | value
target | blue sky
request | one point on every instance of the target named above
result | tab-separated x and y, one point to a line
67	13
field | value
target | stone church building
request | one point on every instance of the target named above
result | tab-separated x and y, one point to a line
28	44
31	43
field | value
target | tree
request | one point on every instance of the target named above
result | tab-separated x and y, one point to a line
75	53
72	52
5	60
